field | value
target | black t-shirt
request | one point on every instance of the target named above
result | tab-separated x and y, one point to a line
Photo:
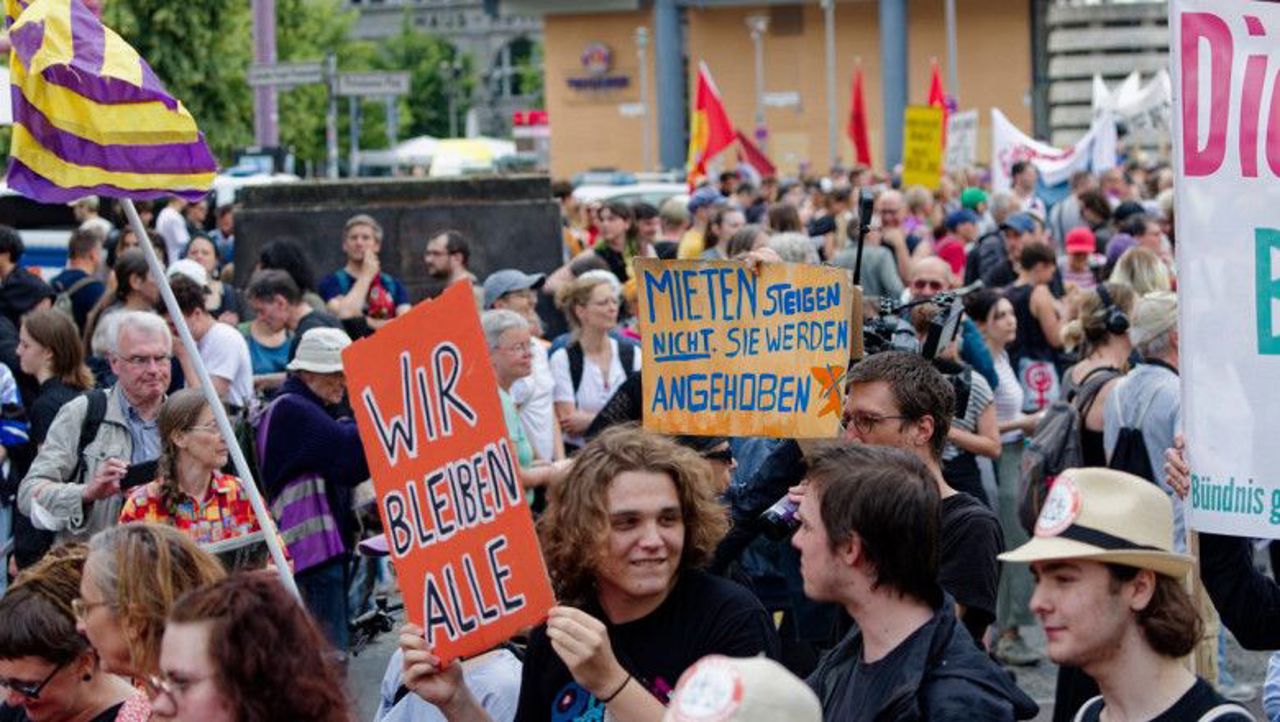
861	694
967	568
16	714
1190	707
702	615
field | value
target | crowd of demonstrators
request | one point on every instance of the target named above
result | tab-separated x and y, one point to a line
653	545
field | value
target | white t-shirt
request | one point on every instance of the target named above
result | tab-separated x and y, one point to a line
533	398
172	227
595	389
226	355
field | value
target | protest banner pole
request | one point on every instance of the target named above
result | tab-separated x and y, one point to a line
250	485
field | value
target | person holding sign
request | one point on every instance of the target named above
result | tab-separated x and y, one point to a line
1110	597
594	364
623	536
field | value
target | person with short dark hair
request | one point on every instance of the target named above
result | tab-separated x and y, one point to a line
648	227
1039	327
278	305
79	279
1110	597
868	541
223	350
20	290
447	256
47	667
360	287
899	399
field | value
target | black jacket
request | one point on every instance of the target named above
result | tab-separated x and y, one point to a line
942	677
1247	600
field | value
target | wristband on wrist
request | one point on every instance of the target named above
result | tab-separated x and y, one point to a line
617	691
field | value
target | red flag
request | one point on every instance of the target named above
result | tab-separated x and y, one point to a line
710	130
938	96
752	155
858	121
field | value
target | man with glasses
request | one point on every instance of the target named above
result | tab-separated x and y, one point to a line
447	256
899	399
930	276
74	484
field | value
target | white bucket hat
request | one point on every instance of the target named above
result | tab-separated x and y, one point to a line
750	689
1108	516
320	351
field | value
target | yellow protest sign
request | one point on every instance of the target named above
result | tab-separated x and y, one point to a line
922	146
731	352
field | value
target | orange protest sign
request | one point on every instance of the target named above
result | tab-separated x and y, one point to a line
459	529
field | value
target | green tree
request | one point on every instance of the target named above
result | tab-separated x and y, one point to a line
200	50
425	111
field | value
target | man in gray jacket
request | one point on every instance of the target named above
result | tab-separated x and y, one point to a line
58	493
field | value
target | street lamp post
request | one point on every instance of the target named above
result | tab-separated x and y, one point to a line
953	51
646	139
829	26
759	25
451	70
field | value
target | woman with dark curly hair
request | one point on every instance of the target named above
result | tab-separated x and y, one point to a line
624	536
190	491
244	650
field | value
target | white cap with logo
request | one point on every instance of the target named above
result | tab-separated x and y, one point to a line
749	689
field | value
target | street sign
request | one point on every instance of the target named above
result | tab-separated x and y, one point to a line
373	84
781	99
286	74
631	110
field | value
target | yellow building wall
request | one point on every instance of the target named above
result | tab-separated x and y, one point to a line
995	72
587	128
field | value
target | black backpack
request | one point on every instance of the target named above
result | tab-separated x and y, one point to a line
1130	453
626	355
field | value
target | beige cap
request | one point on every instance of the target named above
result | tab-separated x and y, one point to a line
750	689
1108	516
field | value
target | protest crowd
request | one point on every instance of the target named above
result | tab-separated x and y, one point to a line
827	447
890	574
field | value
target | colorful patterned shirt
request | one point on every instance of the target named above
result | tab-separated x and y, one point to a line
224	513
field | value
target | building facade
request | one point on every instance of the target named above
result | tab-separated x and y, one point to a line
593	77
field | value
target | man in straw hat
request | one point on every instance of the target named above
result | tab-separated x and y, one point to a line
1109	594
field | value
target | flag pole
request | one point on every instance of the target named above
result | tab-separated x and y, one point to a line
265	521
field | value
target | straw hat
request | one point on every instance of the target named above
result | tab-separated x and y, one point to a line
752	689
1105	516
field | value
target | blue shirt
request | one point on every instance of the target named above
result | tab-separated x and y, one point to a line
340	281
144	436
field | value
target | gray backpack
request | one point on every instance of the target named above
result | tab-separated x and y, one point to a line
1056	445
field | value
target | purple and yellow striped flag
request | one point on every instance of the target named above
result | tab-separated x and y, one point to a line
89	115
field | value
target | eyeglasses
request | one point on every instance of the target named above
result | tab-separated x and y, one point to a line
924	284
207	428
144	361
81	608
864	422
174	689
605	303
519	349
30	690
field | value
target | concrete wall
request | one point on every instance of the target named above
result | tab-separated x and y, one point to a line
513	222
995	71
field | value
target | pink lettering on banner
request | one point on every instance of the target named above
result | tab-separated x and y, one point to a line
1207	160
1210	27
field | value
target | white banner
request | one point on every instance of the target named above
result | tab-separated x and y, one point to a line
962	140
1227	159
1095	152
1146	110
